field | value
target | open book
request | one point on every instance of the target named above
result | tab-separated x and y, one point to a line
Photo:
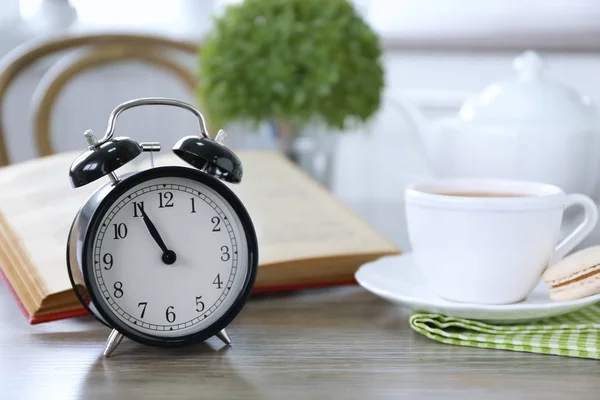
307	238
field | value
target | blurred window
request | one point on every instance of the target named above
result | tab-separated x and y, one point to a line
116	12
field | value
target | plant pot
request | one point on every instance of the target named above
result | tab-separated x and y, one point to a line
312	148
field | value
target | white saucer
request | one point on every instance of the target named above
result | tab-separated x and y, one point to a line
398	280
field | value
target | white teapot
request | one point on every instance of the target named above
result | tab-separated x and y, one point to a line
527	127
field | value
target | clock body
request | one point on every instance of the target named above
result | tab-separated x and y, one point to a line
118	269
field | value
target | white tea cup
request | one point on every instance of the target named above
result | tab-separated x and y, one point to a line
489	241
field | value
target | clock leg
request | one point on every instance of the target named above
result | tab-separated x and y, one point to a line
224	337
114	339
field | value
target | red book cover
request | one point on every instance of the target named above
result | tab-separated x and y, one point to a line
79	312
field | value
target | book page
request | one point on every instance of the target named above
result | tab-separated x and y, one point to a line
39	205
294	217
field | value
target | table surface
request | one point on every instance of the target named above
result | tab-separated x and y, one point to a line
328	343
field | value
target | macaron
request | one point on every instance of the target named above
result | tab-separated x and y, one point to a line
575	276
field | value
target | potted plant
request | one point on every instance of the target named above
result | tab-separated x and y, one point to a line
293	64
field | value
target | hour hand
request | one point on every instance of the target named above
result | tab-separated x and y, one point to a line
168	256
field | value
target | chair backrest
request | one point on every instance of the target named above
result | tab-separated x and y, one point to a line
55	80
94	50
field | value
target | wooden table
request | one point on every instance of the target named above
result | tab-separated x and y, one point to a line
335	343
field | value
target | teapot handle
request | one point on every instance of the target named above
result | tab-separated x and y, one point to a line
414	141
428	139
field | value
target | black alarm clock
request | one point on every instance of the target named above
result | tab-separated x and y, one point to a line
166	256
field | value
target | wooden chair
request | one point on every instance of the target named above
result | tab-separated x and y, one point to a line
93	50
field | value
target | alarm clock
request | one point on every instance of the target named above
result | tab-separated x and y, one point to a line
166	256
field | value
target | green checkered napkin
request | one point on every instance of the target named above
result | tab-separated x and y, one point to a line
576	334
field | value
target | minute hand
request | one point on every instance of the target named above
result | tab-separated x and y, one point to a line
154	232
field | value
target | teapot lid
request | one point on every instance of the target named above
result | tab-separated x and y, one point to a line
530	97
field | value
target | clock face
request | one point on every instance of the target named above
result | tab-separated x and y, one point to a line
170	256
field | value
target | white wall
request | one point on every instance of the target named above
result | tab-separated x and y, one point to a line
372	164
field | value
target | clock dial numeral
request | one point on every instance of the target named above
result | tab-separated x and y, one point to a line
143	304
199	303
217	222
193	205
225	256
108	260
169	314
120	231
165	199
218	281
118	289
137	208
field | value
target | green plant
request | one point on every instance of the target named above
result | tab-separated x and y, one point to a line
292	61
